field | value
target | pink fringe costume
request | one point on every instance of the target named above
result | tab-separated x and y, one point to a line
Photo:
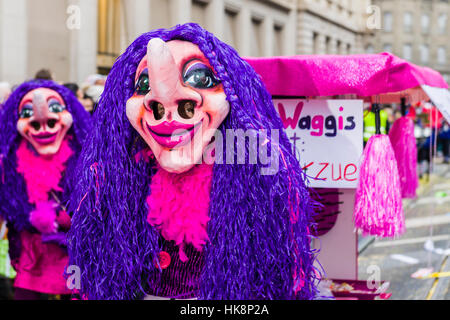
178	207
41	264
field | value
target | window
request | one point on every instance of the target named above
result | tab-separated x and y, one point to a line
407	52
256	48
230	34
370	49
442	23
425	23
327	45
278	40
387	21
424	54
316	45
407	22
442	55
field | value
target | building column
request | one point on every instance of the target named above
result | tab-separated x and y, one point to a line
342	48
13	41
321	47
244	28
83	41
305	42
268	39
290	29
137	13
333	49
215	18
180	11
359	44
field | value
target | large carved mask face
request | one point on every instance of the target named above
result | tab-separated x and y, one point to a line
44	120
178	103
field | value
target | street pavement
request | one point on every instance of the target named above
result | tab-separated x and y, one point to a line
425	244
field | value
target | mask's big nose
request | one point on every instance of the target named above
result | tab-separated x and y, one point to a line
167	95
40	107
41	115
161	66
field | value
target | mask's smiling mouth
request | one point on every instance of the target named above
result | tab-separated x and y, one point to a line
45	138
173	134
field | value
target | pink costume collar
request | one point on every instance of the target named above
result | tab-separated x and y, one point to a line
179	206
42	174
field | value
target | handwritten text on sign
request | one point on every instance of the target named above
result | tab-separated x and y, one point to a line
327	136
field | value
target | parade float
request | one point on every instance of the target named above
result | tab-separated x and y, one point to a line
320	100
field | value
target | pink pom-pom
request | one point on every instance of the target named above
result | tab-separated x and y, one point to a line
378	203
43	218
404	144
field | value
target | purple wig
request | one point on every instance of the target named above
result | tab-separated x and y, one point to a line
14	205
257	249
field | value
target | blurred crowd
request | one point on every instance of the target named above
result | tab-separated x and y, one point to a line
88	92
431	130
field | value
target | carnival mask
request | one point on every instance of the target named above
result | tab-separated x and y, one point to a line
44	120
178	103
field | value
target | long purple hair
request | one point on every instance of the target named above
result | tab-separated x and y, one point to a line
257	248
14	205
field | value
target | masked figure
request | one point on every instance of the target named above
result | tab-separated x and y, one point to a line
167	206
42	129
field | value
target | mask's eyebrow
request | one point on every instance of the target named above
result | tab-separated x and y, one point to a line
54	97
142	65
26	102
194	58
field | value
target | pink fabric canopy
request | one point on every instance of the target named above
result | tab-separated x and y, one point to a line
328	75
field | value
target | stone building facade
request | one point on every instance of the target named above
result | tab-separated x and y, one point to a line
416	30
331	26
76	38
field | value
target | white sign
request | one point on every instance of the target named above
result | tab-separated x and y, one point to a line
440	98
328	138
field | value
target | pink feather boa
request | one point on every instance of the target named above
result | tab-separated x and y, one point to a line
179	205
42	175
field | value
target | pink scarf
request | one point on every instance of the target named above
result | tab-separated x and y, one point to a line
42	174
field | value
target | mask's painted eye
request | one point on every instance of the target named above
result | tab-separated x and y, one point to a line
143	85
200	76
55	107
27	112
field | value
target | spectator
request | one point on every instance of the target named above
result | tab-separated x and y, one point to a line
5	91
85	100
445	141
95	92
44	74
95	79
93	87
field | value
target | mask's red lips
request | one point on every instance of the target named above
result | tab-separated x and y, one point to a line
173	134
45	137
